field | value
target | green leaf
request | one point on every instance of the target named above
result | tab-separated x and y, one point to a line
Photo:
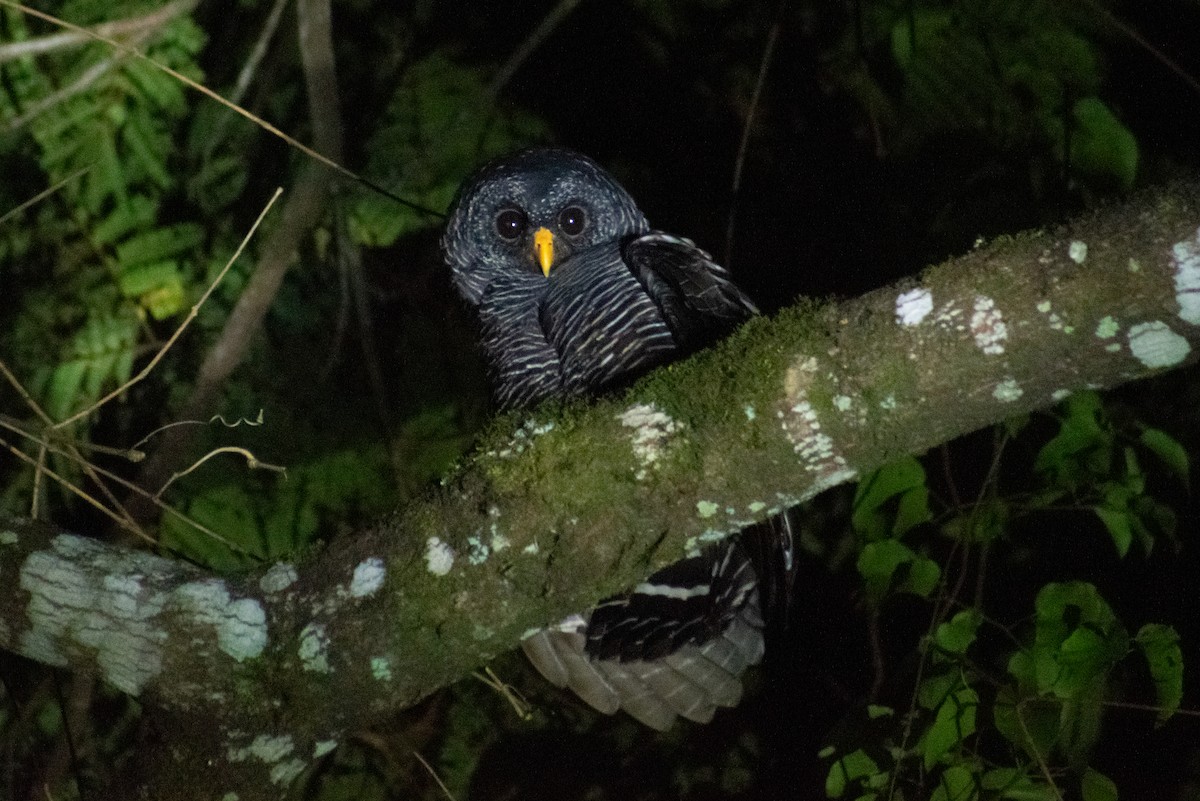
1029	722
157	287
1168	450
1078	639
65	383
850	768
955	784
891	566
1120	527
955	722
1012	783
1159	644
1082	448
159	244
1095	786
1101	145
891	500
955	636
923	577
934	690
984	522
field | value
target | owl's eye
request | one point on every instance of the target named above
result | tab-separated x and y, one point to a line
572	220
510	223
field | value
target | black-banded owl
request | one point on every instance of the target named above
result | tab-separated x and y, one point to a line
575	294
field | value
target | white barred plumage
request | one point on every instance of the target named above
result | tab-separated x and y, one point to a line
575	295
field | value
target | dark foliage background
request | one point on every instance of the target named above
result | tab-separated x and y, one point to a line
886	136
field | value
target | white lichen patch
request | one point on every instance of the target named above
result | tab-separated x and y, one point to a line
1077	251
815	448
286	772
1060	394
368	577
1186	255
314	649
439	557
748	409
477	550
1134	266
706	509
323	747
531	548
1154	344
523	437
1108	327
499	541
913	306
278	578
381	668
950	318
273	750
652	430
1007	391
1053	318
756	506
988	326
888	403
842	402
9	537
231	796
240	625
82	594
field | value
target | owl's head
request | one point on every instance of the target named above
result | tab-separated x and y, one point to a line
528	212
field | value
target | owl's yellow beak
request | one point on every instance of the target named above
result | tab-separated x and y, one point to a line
543	248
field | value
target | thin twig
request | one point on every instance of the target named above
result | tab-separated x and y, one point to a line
158	356
1160	56
87	497
258	53
1037	755
24	393
252	462
123	482
433	773
40	196
744	144
116	28
1193	713
216	417
532	42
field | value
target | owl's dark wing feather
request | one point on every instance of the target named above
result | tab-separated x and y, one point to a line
677	645
695	294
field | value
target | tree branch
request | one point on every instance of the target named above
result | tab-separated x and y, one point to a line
578	502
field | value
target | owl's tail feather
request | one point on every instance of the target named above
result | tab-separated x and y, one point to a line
691	682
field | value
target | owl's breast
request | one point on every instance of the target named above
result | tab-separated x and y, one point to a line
604	326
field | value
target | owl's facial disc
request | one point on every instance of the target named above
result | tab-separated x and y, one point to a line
543	248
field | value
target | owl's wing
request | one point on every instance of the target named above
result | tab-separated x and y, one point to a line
695	294
676	645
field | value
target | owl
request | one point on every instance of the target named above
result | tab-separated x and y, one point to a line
577	295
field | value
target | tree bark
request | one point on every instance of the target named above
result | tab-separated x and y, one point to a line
255	677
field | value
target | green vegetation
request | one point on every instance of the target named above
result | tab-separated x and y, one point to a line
989	614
